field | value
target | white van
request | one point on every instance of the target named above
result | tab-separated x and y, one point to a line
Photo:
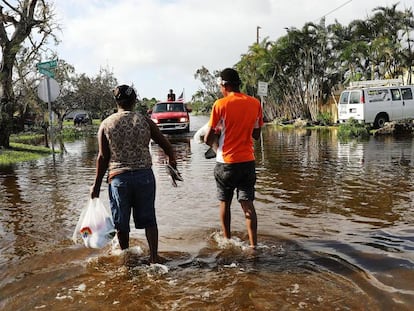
376	102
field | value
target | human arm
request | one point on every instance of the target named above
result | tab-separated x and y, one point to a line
211	138
257	130
102	163
256	133
163	142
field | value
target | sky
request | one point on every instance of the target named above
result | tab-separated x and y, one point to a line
158	45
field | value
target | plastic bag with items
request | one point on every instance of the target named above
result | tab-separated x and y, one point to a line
95	225
199	138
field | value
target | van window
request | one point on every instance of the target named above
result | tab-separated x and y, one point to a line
395	94
355	97
344	98
406	93
377	95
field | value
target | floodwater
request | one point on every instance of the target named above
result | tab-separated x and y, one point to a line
335	231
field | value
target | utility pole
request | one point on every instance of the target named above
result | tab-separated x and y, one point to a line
257	34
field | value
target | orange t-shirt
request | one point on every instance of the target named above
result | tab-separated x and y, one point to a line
235	116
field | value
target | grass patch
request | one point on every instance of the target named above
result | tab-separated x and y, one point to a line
27	138
22	153
25	146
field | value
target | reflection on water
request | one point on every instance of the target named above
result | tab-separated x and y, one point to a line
335	231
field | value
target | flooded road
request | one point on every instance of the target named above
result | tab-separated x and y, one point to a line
335	223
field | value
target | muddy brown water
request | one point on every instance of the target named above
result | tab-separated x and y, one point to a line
335	231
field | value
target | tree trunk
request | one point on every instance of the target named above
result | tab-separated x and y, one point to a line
6	100
7	96
6	113
4	136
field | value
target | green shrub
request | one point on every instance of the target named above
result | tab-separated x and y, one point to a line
352	129
324	118
71	132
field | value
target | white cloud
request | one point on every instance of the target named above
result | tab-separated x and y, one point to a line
158	45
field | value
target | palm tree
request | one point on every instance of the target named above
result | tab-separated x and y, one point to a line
407	55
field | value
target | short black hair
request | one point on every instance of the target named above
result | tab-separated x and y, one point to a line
125	94
229	76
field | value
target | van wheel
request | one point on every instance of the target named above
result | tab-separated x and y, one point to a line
380	120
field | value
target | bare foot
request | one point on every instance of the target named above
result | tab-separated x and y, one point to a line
158	259
252	251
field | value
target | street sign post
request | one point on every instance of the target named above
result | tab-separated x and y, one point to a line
262	91
47	65
46	68
46	72
262	88
48	91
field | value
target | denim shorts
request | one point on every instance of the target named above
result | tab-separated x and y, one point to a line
239	176
133	191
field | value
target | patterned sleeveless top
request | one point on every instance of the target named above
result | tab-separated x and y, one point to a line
129	136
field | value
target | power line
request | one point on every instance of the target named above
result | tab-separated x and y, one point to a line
336	9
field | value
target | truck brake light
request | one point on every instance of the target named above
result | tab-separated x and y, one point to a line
362	100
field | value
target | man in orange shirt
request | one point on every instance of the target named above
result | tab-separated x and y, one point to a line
235	120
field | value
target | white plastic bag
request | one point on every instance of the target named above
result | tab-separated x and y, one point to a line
95	225
199	135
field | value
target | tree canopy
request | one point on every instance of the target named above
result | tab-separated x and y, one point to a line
305	67
25	27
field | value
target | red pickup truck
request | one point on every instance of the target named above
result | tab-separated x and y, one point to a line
171	116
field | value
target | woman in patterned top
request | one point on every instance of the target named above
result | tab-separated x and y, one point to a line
124	139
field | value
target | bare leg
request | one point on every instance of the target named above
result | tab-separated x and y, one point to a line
251	221
152	238
225	217
123	239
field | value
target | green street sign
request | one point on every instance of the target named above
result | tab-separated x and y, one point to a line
46	72
47	65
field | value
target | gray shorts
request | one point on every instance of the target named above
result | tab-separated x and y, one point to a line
235	176
133	192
